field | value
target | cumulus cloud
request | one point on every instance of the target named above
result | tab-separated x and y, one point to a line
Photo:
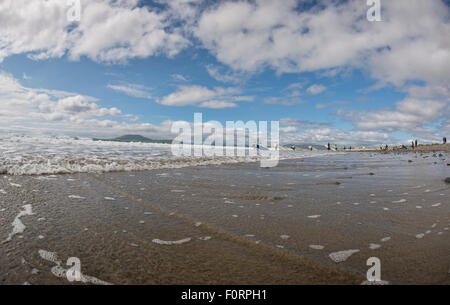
109	31
200	96
339	137
411	43
411	115
32	110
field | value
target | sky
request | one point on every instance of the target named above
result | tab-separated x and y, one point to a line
320	68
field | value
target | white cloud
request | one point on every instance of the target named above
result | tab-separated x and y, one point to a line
133	90
316	89
300	123
31	110
225	77
325	105
179	78
322	136
109	31
412	115
411	43
203	97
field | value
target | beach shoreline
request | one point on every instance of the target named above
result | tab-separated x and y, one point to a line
307	221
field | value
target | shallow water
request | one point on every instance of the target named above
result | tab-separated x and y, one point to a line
32	155
236	223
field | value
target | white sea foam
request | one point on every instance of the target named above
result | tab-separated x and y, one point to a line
75	197
314	216
317	247
342	256
2	192
33	155
285	237
171	242
18	226
374	246
436	205
399	201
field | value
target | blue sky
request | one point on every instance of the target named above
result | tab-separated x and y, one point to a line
321	68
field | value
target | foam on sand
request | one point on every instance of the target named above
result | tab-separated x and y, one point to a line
374	246
171	242
205	238
76	197
314	216
15	184
342	256
2	192
317	247
109	198
285	237
436	205
399	201
18	226
385	239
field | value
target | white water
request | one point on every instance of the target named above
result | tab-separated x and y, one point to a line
32	155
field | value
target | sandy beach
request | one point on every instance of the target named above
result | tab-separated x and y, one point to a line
307	221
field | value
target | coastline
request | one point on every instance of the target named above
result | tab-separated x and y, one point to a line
419	149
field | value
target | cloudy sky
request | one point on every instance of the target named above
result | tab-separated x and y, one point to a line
319	67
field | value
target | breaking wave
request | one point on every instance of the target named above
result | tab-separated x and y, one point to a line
32	155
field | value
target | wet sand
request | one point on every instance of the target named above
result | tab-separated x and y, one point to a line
234	224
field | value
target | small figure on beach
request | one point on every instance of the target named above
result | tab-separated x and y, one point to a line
336	147
412	144
444	140
329	146
416	143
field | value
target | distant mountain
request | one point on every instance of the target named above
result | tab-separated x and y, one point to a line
134	138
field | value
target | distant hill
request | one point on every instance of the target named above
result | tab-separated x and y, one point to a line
306	146
134	138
